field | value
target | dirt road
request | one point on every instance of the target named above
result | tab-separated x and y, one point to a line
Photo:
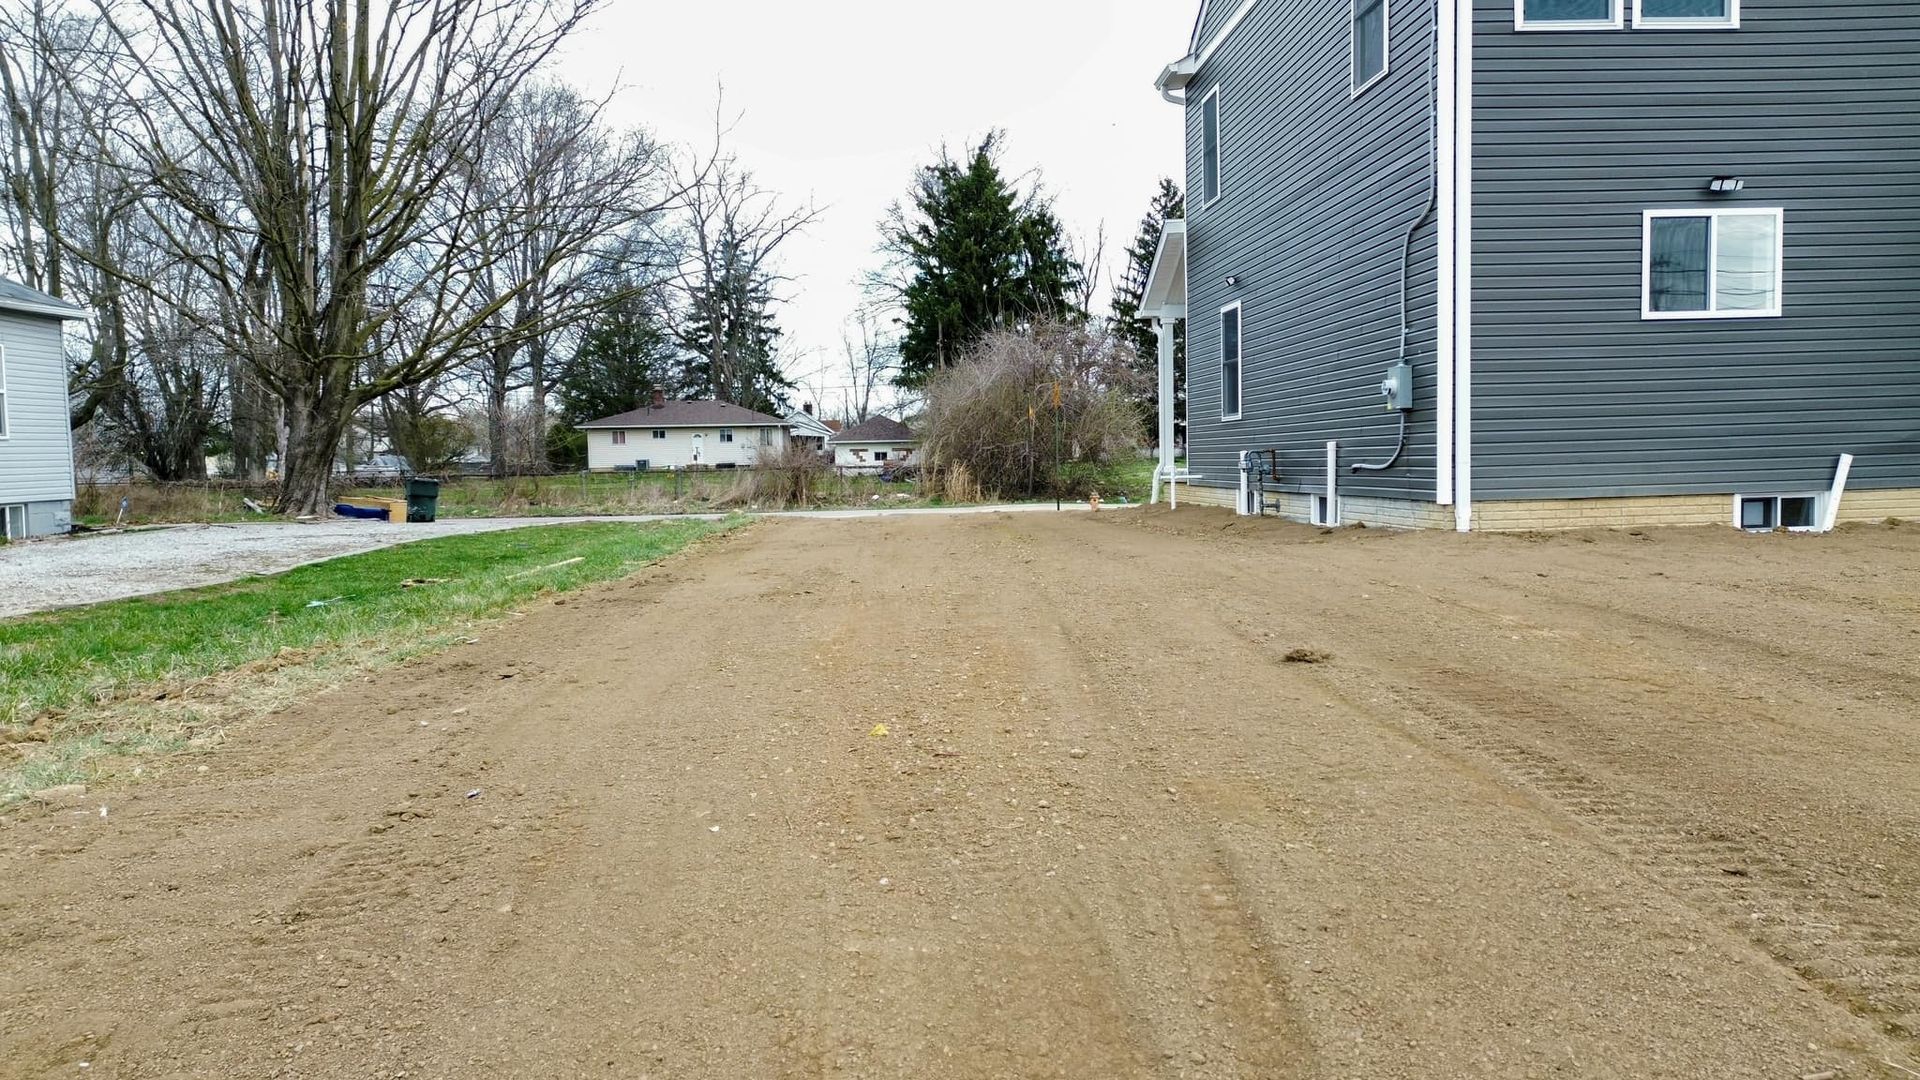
1586	806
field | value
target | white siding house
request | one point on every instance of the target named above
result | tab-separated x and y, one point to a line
683	434
36	448
874	445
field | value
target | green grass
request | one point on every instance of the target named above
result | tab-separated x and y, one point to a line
119	678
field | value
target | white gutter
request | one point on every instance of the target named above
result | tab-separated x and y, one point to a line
54	311
1462	373
1177	75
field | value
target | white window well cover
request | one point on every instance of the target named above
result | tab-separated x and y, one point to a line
1569	14
1686	14
1713	264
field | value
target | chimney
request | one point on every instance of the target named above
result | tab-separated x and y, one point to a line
659	399
808	407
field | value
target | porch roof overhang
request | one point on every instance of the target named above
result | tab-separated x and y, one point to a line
1165	297
1175	78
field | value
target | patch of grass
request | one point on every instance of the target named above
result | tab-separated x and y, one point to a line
641	493
131	676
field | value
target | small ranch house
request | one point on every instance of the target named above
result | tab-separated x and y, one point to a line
36	449
808	430
874	444
681	435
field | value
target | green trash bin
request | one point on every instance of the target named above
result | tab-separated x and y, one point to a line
423	499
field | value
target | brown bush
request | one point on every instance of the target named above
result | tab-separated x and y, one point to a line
787	477
995	416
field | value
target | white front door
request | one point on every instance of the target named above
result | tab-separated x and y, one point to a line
699	444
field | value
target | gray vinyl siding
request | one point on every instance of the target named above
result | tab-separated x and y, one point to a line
1816	104
1318	190
1216	16
36	456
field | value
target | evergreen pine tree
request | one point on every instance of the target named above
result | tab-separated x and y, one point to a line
1168	204
971	251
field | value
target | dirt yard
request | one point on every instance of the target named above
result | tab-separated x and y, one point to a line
1157	796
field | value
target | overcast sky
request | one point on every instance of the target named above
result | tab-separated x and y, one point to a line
841	108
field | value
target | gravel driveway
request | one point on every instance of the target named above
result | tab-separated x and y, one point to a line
89	569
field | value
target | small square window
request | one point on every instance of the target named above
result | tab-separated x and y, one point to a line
1713	264
1569	14
726	434
1326	511
619	438
659	433
1369	42
1686	14
879	455
1797	512
1758	513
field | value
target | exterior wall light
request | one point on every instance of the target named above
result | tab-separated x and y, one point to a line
1233	281
1726	185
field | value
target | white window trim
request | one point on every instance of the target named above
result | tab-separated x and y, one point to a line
6	521
1353	46
1819	509
1239	365
6	400
1617	22
1779	215
1642	22
1219	147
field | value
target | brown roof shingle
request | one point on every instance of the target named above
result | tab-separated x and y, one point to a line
688	414
877	429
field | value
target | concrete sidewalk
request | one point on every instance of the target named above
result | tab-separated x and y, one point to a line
89	569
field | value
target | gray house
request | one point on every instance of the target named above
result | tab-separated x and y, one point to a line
36	450
1486	264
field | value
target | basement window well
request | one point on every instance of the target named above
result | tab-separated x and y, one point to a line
1766	513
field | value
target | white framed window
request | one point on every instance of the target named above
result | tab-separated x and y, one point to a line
1370	36
1569	14
619	438
1231	376
726	434
1766	513
659	433
6	428
1325	511
1686	14
1210	147
15	523
1713	264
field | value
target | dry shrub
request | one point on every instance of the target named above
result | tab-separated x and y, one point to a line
958	486
993	414
788	476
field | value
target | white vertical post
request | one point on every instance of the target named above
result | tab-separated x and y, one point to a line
1246	491
1164	327
1333	484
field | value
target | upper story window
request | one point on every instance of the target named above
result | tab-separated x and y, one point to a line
1686	14
1230	382
1369	43
1713	264
1210	147
1569	14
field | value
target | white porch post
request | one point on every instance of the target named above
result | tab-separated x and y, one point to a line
1168	452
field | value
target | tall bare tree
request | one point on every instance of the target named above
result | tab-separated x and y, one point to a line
731	230
571	196
871	362
319	148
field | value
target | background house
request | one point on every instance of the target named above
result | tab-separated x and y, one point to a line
36	445
807	429
683	434
873	445
1620	261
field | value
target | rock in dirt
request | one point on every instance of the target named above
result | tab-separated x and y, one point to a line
64	795
1307	656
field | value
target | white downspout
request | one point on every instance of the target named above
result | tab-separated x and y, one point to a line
1831	519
